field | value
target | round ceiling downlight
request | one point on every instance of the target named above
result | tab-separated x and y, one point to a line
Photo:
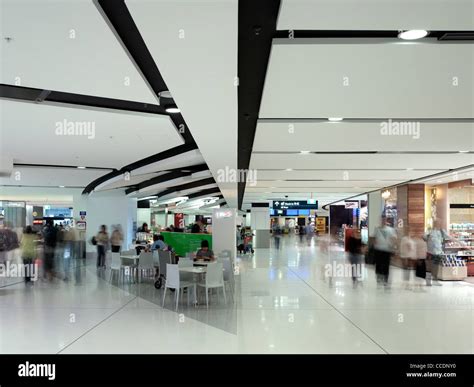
412	34
173	109
165	94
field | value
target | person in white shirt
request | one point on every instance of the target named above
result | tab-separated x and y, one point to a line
408	255
435	240
421	251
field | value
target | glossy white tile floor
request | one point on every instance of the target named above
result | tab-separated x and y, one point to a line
283	304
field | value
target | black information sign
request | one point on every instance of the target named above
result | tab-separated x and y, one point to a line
295	204
461	206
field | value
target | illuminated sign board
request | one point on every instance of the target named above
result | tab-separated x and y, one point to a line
295	204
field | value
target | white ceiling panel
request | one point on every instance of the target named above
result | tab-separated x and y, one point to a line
368	78
361	161
463	174
133	179
66	46
194	44
51	177
455	15
315	185
34	195
296	135
109	138
346	174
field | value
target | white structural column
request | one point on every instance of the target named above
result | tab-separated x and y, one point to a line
260	221
109	208
375	209
224	231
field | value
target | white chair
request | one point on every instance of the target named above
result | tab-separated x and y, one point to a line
115	266
174	282
228	274
184	262
145	263
167	256
214	280
128	264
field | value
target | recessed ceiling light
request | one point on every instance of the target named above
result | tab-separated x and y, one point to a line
463	151
81	167
305	152
173	109
288	169
61	186
335	119
412	34
165	94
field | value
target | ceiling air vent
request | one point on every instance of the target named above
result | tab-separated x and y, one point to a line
460	35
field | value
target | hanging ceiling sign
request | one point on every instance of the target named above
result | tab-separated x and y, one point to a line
295	204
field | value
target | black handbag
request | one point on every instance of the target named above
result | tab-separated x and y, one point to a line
421	268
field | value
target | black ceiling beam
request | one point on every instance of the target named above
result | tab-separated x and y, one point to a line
166	177
204	192
183	187
121	20
373	34
141	163
29	165
257	27
34	95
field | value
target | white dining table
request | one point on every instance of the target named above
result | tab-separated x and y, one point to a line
194	270
201	263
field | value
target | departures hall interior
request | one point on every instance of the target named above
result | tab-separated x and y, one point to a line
273	176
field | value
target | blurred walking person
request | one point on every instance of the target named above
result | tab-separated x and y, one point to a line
8	243
408	255
102	240
301	232
28	252
50	237
354	249
309	231
435	241
385	243
421	253
116	239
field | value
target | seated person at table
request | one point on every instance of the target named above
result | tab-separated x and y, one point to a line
204	253
158	243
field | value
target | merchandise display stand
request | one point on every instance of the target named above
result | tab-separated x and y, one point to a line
463	235
451	268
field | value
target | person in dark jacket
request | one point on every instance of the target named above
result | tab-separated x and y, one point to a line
50	237
354	248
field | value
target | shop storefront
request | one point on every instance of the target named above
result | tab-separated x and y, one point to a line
345	217
13	214
414	208
453	205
